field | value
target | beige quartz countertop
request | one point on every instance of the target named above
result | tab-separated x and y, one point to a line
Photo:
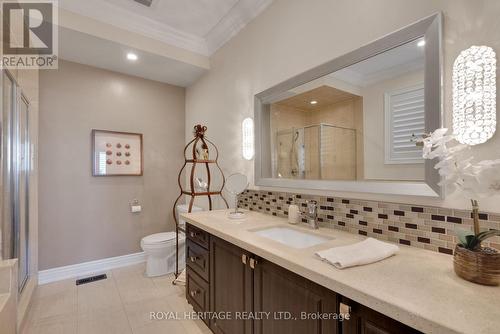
416	287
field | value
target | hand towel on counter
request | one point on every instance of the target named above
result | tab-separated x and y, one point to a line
361	253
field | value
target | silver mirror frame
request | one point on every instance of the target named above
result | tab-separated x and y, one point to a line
431	29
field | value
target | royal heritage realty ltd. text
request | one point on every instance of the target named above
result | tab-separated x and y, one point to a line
246	316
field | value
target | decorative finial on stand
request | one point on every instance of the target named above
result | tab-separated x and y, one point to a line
199	131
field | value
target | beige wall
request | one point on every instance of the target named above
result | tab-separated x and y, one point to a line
286	117
374	140
265	53
84	218
339	114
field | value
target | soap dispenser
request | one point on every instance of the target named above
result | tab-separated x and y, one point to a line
293	214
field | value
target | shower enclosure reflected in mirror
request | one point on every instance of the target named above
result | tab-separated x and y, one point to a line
353	124
359	123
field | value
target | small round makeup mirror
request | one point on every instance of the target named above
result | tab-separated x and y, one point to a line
236	184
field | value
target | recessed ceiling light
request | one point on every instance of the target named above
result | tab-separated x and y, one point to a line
421	43
132	56
313	102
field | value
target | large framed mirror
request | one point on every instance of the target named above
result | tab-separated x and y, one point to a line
353	123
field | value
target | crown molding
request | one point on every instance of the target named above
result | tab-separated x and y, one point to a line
236	19
114	15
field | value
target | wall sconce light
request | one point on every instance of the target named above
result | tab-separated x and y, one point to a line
474	95
247	144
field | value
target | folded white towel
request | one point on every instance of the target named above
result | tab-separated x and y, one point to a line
358	254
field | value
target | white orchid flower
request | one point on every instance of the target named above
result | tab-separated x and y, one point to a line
456	168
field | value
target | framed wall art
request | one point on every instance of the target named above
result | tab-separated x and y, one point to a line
116	153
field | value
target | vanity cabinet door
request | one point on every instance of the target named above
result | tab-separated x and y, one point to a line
285	294
231	287
364	320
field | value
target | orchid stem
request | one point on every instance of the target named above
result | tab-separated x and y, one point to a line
475	215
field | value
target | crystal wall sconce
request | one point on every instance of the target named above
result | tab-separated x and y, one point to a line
474	95
248	149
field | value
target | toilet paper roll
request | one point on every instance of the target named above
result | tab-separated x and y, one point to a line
293	214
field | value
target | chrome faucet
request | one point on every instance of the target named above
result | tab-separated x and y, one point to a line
312	214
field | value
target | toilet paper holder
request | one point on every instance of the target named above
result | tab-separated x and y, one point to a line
135	206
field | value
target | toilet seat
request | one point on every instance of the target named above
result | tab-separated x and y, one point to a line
158	238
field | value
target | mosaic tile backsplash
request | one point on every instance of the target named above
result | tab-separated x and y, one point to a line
427	227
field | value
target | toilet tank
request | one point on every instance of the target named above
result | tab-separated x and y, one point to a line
183	208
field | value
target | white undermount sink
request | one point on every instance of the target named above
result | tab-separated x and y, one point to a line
292	237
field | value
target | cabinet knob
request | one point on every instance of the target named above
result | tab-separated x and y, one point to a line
244	259
193	259
193	234
345	311
194	293
253	263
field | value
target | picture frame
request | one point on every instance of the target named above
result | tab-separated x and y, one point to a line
116	153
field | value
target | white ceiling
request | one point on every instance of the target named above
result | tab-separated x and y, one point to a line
195	17
201	26
352	79
98	52
392	63
198	26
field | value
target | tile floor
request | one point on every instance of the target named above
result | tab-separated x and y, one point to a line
120	304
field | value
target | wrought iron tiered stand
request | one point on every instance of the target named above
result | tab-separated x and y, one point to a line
199	151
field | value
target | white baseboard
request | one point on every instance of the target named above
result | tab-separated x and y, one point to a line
87	268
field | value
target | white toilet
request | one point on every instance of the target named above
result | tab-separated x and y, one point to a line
160	249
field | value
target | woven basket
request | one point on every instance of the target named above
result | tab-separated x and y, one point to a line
476	266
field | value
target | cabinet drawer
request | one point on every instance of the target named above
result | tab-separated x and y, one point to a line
198	236
197	292
198	259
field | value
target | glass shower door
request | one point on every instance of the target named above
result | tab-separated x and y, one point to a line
312	144
7	204
15	169
21	205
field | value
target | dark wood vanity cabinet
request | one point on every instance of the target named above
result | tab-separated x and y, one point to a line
296	305
364	320
275	298
260	297
232	287
198	269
